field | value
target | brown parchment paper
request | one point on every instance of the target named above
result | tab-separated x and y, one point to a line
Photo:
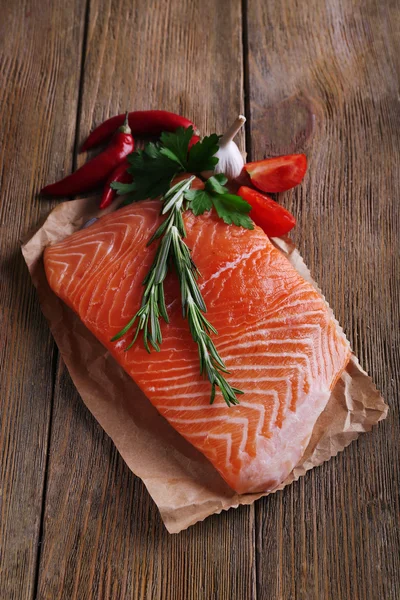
181	481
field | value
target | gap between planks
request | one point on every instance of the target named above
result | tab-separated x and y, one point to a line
56	355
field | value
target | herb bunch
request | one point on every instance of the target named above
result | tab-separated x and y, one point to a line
152	170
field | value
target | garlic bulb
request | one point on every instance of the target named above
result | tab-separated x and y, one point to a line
230	159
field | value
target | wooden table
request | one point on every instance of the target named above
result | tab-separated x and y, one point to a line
320	76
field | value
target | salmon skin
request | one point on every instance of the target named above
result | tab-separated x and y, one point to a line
277	336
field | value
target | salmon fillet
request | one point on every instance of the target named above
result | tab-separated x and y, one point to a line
277	336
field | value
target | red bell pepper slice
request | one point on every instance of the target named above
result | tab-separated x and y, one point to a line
266	213
277	174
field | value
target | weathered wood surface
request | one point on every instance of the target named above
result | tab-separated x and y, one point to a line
40	59
316	76
323	79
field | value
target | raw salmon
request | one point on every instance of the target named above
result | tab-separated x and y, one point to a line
277	335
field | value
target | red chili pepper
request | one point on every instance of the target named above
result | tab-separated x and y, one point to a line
94	172
266	213
121	174
277	174
194	139
141	122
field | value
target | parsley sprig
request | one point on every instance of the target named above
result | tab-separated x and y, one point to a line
230	208
152	170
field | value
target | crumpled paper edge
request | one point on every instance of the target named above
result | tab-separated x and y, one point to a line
183	484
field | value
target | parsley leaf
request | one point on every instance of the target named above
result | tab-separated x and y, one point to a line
216	184
151	171
175	145
201	155
233	210
200	201
230	208
169	154
121	188
153	168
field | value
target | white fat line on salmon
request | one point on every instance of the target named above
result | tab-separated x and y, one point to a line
190	372
81	256
161	394
268	332
257	407
311	302
231	379
231	265
334	353
193	395
267	342
313	343
111	239
274	393
308	342
75	249
60	276
294	355
199	239
287	396
195	383
234	368
208	406
217	436
103	288
243	422
284	305
174	360
185	407
299	375
323	351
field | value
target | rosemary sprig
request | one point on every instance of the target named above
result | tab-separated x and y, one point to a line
172	246
153	301
193	306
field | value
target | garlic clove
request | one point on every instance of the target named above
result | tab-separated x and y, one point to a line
230	159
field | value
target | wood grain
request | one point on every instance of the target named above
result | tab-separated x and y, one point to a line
323	78
40	46
102	536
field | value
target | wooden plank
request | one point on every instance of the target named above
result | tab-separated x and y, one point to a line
103	536
323	77
40	58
